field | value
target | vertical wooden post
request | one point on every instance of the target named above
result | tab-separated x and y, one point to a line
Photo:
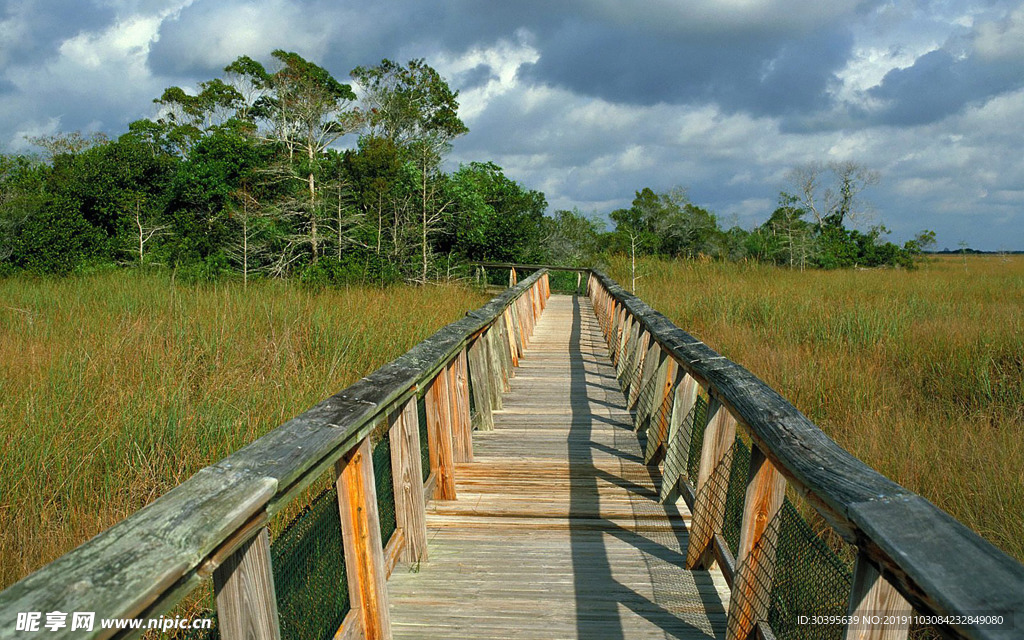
360	532
677	449
648	367
709	507
657	430
630	339
244	584
635	373
507	332
439	437
407	476
462	426
755	556
870	596
497	351
515	327
615	338
482	382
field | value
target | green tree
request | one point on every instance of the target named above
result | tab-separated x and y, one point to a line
492	217
572	239
415	109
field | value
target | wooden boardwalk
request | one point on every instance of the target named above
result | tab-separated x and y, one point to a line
557	531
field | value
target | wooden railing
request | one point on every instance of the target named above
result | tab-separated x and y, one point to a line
910	554
215	523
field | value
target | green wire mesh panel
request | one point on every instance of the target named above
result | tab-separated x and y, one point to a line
209	610
385	487
739	473
421	409
809	579
469	389
698	420
308	559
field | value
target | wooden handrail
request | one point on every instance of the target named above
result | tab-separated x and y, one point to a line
934	562
214	523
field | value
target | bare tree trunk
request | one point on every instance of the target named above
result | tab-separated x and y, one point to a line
424	194
138	223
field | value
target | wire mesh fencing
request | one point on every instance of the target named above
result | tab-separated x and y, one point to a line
308	560
739	473
421	411
384	482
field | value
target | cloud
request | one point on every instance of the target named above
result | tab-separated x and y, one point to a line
1001	39
591	100
205	37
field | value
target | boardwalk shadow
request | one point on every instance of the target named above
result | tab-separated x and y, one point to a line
605	606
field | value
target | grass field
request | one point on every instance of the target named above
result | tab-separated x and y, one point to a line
918	373
116	387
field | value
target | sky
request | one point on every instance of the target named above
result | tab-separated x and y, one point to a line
590	101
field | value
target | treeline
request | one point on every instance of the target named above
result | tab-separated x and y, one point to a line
242	176
807	229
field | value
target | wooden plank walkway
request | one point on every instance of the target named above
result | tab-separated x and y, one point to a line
557	532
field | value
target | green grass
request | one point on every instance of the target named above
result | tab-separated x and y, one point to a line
116	387
918	373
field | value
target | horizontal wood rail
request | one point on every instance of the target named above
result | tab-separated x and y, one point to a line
910	552
214	523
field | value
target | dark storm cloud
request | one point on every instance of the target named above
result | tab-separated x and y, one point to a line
756	72
764	69
40	27
940	84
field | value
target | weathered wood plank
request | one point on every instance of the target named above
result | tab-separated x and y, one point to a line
360	533
407	474
462	425
482	376
244	584
712	484
755	556
870	596
669	378
439	437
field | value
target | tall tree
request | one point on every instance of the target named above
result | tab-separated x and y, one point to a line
305	110
414	108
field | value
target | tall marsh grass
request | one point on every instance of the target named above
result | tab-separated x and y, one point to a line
918	373
116	387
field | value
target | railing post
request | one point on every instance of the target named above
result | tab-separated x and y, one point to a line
755	556
669	377
360	533
516	328
496	345
439	436
462	425
483	381
407	476
509	338
636	366
648	367
871	596
712	484
677	449
244	584
629	348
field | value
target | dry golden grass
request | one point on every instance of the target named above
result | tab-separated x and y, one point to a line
918	373
115	388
